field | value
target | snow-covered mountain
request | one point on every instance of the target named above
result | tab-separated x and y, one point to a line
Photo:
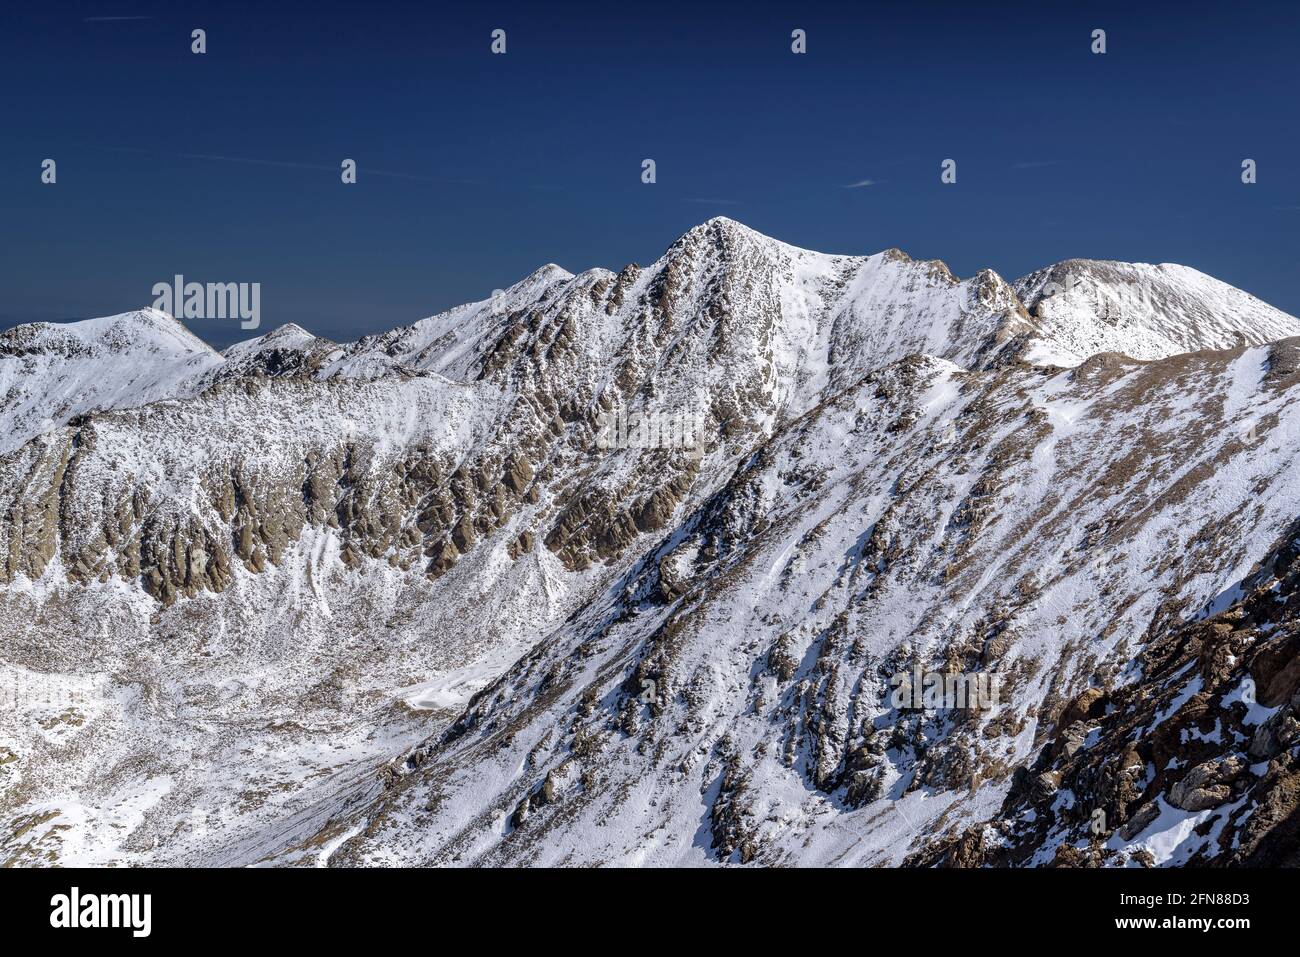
52	373
1083	307
396	601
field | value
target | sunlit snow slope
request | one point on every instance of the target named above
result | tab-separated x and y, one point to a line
392	601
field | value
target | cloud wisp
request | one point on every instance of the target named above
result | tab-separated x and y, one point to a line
287	164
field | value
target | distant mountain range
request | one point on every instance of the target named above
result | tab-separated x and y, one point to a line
393	602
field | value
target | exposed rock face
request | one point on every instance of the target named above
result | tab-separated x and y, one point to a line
1207	785
1192	740
814	578
413	554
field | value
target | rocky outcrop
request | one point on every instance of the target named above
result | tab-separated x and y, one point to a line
1192	738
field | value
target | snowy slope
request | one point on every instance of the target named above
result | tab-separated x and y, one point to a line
392	601
50	373
1083	307
1065	515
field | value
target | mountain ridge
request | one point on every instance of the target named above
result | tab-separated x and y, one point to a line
393	601
725	233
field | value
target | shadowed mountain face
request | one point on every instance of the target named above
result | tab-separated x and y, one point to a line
625	567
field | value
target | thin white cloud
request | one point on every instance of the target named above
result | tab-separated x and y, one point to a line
860	183
283	164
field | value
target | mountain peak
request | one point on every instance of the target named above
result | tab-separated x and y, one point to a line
1083	307
723	228
145	329
547	273
289	331
725	222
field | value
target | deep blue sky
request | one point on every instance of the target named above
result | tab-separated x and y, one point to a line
517	160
